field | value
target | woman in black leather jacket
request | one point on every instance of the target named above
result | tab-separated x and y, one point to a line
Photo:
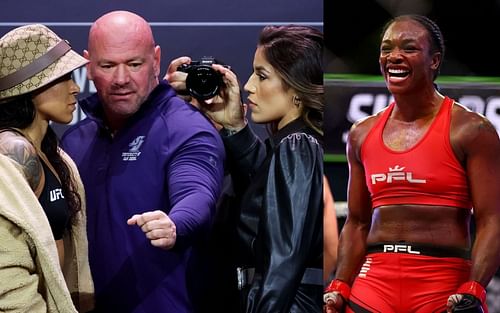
280	225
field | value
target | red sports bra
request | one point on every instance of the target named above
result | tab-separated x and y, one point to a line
427	173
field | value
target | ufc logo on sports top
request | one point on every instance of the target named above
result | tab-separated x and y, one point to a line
400	248
396	174
56	194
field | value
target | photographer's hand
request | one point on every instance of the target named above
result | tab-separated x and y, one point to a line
177	79
226	108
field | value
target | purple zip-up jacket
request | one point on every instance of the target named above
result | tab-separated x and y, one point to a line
168	157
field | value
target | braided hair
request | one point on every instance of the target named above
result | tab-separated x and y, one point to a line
435	35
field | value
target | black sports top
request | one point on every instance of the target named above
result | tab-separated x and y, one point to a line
53	203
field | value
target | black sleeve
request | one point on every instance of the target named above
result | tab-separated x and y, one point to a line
245	154
292	222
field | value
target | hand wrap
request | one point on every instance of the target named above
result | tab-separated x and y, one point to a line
336	288
470	298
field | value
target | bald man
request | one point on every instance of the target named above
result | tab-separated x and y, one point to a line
152	166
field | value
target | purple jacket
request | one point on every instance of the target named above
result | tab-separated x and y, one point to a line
168	157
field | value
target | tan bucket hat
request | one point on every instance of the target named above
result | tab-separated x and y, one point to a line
31	57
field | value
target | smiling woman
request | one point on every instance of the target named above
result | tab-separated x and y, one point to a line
419	171
41	198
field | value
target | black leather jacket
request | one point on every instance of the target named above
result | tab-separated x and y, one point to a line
280	228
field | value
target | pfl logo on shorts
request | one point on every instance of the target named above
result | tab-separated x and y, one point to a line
400	249
396	173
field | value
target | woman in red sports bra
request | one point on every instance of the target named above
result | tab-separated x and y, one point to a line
418	169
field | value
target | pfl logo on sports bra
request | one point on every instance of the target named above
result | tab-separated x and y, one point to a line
396	174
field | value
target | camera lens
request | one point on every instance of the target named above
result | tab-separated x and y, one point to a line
203	82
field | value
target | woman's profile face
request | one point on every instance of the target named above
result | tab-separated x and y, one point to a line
267	99
57	101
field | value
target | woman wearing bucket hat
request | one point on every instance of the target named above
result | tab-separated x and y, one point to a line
43	259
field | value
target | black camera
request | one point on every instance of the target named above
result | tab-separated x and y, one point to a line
202	81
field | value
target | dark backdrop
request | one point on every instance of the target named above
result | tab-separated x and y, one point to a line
225	29
470	28
352	32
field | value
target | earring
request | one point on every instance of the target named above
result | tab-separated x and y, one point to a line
296	100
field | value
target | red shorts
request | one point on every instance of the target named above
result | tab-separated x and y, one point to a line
407	280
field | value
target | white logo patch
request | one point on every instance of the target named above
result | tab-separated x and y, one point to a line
56	194
400	248
133	153
396	173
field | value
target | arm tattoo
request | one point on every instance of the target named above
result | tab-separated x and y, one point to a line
486	126
25	155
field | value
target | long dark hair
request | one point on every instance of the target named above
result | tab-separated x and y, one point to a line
296	53
20	113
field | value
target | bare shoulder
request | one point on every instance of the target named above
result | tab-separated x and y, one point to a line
468	125
16	147
22	151
357	135
362	127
